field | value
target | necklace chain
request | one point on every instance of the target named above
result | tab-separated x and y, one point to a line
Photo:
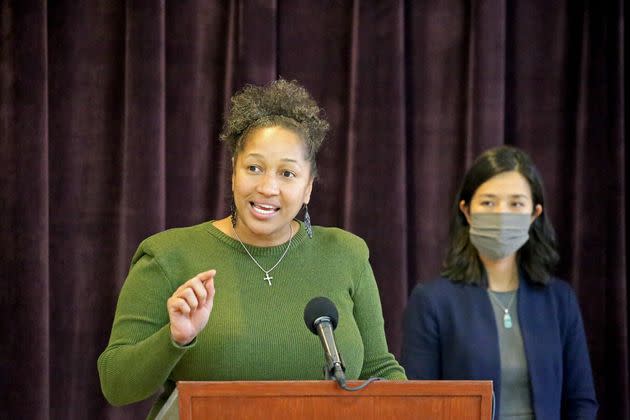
507	319
267	277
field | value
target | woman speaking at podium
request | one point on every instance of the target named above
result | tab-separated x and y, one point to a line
224	300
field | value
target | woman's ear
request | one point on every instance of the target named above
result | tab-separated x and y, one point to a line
232	160
309	190
538	209
465	210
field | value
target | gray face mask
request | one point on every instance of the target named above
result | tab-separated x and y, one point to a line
497	235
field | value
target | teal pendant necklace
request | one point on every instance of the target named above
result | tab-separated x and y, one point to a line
507	318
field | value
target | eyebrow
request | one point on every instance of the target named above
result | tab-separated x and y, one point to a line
259	156
511	195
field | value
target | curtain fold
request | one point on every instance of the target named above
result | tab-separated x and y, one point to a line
143	201
438	125
379	150
486	77
24	210
351	114
599	236
110	113
257	41
197	76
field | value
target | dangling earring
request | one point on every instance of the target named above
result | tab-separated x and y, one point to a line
233	212
307	222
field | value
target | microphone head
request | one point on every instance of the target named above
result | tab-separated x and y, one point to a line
320	307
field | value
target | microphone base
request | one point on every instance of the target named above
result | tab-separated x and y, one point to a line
335	373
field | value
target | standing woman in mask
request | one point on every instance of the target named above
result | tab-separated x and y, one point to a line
497	313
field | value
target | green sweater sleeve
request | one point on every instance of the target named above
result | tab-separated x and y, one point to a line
140	354
368	314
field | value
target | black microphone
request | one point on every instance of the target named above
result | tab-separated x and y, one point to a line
321	317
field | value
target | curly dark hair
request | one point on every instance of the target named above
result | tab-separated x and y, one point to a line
279	103
537	257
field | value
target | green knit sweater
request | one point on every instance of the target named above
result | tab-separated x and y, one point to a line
255	331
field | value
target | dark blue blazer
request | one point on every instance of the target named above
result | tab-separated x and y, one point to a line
450	333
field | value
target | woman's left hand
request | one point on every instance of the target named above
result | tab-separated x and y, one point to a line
190	306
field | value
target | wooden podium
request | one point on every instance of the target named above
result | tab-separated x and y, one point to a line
431	400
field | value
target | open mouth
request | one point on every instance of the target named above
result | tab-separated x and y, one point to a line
263	209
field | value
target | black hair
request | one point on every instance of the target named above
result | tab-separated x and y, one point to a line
279	103
536	258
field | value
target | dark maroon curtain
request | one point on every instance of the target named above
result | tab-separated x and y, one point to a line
109	117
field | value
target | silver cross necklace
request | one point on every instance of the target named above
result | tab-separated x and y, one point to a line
267	277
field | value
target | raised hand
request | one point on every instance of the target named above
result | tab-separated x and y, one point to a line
189	307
